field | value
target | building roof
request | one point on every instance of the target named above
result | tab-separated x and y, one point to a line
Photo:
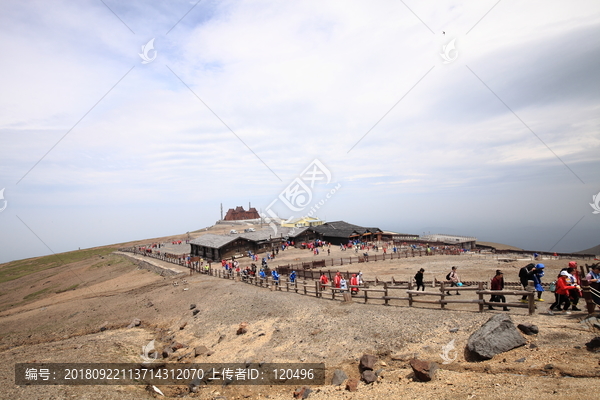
218	241
343	229
214	241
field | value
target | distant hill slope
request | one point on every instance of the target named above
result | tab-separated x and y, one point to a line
591	250
499	246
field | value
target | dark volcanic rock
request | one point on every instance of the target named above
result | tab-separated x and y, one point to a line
496	336
594	344
528	329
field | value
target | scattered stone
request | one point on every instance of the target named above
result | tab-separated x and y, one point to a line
352	385
578	347
178	345
302	392
367	361
339	377
368	376
149	304
424	371
548	366
496	336
167	351
533	346
200	350
520	360
102	329
528	329
594	344
135	322
192	306
243	328
453	330
317	331
195	312
380	372
221	338
182	326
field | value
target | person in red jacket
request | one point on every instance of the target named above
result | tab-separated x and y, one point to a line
563	287
498	284
337	279
354	282
324	280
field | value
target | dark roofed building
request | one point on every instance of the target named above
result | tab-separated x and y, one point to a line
240	214
341	232
218	247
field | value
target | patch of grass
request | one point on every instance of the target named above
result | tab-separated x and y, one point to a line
33	295
18	269
72	287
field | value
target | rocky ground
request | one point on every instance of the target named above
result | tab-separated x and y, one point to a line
93	323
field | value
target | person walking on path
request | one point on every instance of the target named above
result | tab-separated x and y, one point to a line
498	284
354	282
293	277
419	279
324	280
526	275
562	293
454	280
537	280
337	279
275	276
343	285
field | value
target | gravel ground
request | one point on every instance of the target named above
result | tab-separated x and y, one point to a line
287	327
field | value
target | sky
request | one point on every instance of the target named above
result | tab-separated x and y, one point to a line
473	118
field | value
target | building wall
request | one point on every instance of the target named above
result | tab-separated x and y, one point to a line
240	214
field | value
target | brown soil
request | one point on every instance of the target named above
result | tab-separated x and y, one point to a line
83	317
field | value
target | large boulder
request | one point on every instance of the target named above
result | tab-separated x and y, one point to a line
496	336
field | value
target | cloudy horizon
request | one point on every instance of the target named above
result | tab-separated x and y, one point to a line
496	138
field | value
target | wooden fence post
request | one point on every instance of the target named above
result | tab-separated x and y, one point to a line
481	297
304	287
386	300
317	284
531	297
442	287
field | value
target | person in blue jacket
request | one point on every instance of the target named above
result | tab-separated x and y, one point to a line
537	280
293	277
275	276
262	274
